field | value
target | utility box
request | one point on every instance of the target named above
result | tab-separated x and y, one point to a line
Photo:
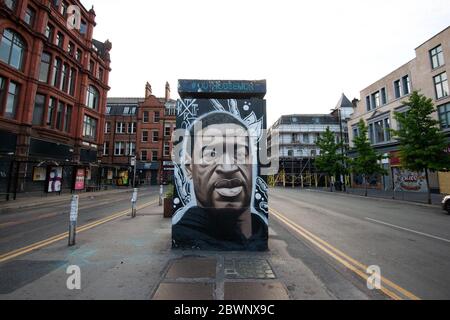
221	198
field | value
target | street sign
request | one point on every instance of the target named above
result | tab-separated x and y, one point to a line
74	209
133	161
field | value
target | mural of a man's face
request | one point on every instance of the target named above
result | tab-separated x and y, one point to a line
221	167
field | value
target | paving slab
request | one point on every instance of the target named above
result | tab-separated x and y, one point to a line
184	291
191	267
255	291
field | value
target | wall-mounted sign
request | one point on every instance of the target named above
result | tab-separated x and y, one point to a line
110	175
39	174
79	179
54	179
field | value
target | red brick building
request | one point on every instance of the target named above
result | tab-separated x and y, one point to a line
53	89
141	128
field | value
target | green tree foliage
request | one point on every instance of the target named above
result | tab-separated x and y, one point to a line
368	161
330	160
422	143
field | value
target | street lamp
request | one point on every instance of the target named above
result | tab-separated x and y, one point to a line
341	129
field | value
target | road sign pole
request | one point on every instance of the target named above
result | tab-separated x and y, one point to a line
73	220
133	203
160	194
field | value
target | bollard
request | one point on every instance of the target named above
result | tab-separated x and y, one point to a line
73	220
133	203
160	195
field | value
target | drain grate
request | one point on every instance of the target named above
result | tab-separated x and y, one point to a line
248	269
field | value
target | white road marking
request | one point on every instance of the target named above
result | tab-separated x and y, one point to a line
406	229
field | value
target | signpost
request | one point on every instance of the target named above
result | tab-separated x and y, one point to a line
73	220
133	203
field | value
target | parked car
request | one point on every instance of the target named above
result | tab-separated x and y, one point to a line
446	204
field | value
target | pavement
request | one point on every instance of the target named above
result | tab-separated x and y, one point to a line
416	197
129	258
321	248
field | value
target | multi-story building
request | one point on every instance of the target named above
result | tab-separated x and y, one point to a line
53	88
427	73
297	148
140	128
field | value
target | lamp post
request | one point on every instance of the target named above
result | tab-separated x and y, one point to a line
342	147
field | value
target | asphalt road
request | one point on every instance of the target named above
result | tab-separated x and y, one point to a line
23	227
410	243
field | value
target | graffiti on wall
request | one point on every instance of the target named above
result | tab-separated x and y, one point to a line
220	200
406	180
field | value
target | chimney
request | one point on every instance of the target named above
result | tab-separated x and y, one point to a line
355	103
148	90
167	91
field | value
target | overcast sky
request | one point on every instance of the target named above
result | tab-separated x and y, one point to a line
310	52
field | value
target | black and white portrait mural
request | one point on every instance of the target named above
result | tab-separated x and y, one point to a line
221	199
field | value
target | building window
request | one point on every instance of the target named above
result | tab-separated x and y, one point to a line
12	49
70	48
167	130
379	131
383	96
45	67
166	149
68	118
91	66
63	8
51	111
12	100
64	78
397	89
49	32
11	4
2	91
437	57
106	148
83	27
376	102
100	74
444	115
144	136
155	136
59	40
78	55
71	85
57	64
38	112
89	127
92	98
120	127
119	148
156	117
145	117
130	149
59	115
154	156
107	127
441	85
306	138
406	85
355	132
30	14
132	127
144	155
368	106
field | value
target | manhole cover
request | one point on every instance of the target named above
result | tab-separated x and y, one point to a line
248	269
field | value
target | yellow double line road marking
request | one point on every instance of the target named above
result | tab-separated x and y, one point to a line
388	287
62	236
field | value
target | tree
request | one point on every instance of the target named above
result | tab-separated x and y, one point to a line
368	161
422	143
330	160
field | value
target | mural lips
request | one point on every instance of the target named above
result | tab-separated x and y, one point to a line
229	188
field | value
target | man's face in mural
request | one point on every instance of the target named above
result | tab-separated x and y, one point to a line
221	167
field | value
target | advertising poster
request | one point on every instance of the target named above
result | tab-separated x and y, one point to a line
123	180
410	181
39	174
79	179
220	200
54	179
110	175
88	174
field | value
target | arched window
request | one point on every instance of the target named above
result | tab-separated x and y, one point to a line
12	49
92	98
